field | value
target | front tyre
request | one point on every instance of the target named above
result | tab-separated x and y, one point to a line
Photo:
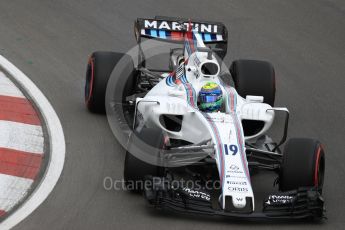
135	169
303	164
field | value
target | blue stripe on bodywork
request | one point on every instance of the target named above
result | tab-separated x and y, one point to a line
207	37
162	34
153	33
184	79
169	81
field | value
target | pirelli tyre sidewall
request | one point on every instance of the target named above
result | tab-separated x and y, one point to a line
303	164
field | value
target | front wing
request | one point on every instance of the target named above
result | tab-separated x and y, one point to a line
297	204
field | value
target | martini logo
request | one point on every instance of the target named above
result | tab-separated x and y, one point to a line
175	26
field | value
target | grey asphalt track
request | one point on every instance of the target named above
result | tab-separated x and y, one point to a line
51	40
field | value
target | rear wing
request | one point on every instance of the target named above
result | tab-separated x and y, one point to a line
173	29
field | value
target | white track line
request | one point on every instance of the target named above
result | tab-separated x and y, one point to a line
22	137
7	88
57	146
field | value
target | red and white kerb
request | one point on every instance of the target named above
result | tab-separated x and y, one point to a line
21	145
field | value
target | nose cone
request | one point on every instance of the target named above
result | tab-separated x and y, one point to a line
239	202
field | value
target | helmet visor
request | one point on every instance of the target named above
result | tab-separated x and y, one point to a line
208	98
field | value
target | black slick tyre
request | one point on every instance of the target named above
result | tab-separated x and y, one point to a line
135	169
303	164
99	69
252	77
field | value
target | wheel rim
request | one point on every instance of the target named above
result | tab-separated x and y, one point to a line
89	80
319	168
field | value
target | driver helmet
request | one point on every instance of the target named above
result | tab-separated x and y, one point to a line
210	97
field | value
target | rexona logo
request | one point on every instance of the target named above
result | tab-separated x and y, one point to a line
175	26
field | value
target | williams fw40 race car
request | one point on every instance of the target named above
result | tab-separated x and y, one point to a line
196	133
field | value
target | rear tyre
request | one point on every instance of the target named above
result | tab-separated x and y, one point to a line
303	164
135	169
255	78
99	69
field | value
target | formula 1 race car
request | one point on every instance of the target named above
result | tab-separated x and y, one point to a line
202	123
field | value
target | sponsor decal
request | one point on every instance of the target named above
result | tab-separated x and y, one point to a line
196	194
234	176
180	71
237	182
196	64
232	148
176	26
196	61
279	199
234	169
238	189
